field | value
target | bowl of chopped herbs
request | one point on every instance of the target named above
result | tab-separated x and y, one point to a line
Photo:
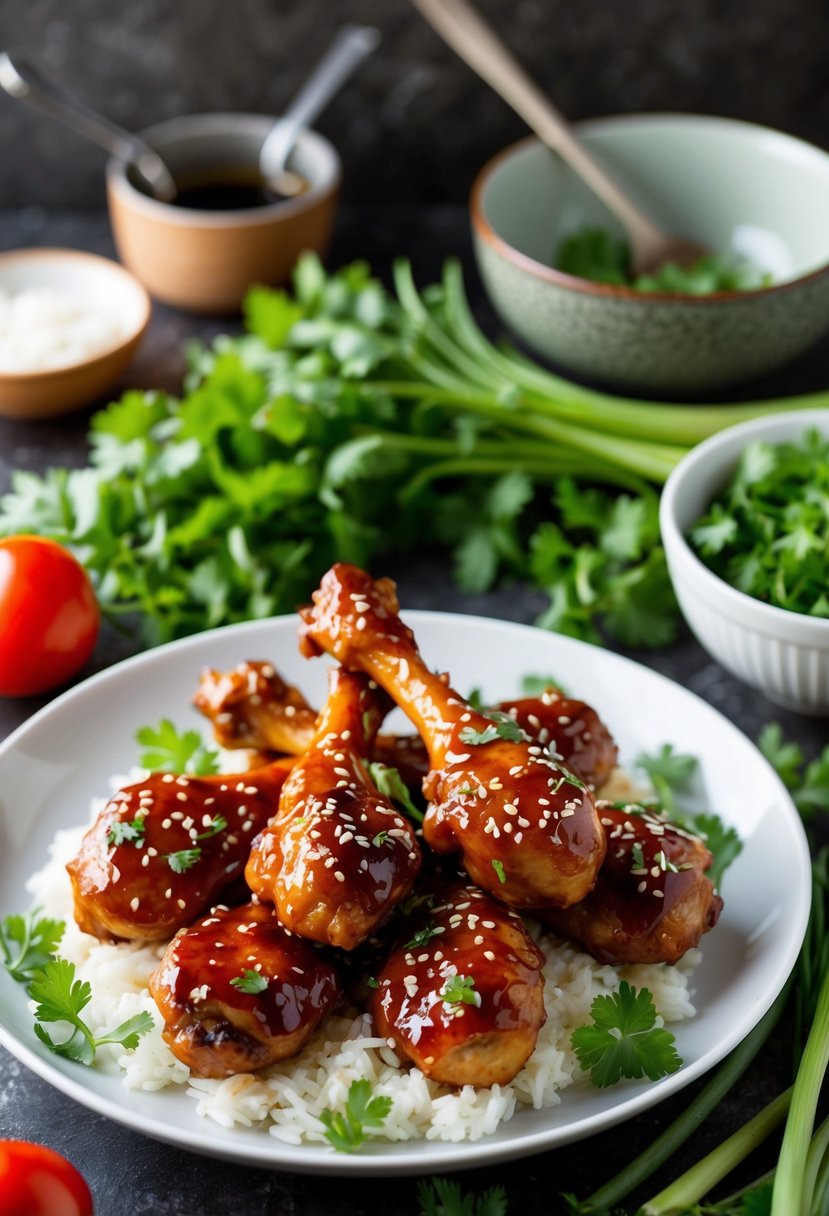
745	525
558	269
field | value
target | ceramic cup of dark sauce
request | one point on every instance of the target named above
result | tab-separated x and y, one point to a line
227	229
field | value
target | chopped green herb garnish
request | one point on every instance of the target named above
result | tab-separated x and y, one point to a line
380	839
169	751
536	685
502	727
61	998
637	857
251	982
217	824
423	936
601	257
183	860
371	982
670	772
28	942
122	831
499	870
346	1130
391	784
475	700
624	1039
460	990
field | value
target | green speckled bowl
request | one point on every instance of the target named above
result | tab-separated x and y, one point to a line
725	184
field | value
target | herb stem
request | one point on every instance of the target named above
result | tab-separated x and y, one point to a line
789	1193
666	1144
696	1182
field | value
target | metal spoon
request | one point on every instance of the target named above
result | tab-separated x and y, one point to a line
350	47
468	34
20	79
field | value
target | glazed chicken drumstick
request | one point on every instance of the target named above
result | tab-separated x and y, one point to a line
163	849
338	856
463	999
526	827
238	992
652	900
253	707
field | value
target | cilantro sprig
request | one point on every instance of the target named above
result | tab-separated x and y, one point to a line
183	860
28	942
347	1130
443	1197
424	936
168	750
624	1039
62	998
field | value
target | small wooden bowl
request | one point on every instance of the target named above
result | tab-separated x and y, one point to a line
94	280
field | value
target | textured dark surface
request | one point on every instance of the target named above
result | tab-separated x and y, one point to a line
416	123
131	1175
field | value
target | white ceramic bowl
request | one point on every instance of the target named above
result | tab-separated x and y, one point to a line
783	654
94	281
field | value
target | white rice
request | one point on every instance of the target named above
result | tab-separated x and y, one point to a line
42	328
287	1098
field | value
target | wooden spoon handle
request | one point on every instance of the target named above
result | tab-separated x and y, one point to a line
463	28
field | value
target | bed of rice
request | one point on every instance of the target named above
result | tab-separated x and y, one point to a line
287	1098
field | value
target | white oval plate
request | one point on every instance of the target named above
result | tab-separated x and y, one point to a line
54	764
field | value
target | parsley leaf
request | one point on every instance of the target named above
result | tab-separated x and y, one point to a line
183	860
723	842
251	982
669	771
346	1130
389	782
61	997
171	751
460	990
380	839
502	727
443	1197
624	1039
123	830
28	942
534	685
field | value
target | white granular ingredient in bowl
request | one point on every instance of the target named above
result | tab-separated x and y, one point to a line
42	328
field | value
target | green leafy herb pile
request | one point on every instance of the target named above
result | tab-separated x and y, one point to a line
767	533
598	255
352	422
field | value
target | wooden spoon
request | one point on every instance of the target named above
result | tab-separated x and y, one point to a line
462	27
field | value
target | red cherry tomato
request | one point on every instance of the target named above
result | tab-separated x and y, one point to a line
35	1181
49	616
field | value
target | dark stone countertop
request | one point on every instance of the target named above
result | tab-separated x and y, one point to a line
131	1175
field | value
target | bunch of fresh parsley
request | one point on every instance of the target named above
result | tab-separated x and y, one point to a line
352	424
